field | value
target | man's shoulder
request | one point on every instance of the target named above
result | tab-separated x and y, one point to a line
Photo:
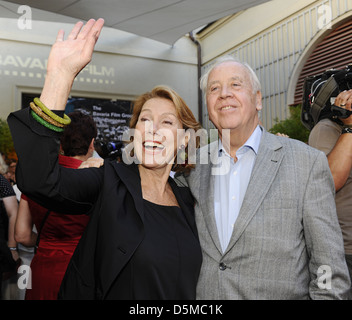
292	147
326	126
285	142
324	135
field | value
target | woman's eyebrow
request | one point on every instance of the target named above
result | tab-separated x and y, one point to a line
162	114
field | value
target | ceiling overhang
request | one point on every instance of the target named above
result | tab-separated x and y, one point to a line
162	20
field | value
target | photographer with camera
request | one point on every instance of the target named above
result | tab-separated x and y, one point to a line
333	136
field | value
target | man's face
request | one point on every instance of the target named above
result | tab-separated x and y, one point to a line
230	98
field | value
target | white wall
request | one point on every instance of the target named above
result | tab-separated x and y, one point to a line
123	65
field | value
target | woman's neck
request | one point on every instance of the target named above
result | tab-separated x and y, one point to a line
155	186
154	178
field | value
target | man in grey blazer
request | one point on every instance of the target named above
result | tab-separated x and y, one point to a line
265	208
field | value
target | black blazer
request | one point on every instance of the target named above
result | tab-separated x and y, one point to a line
112	195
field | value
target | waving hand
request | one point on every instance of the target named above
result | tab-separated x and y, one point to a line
67	58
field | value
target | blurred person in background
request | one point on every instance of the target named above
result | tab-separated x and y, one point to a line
9	258
333	136
11	171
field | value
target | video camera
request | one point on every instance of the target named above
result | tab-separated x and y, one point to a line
109	150
319	93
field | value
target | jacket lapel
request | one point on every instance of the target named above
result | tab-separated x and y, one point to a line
123	239
264	171
129	174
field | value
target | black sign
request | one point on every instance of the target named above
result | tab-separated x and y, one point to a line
111	117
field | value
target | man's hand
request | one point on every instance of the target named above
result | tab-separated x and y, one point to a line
344	100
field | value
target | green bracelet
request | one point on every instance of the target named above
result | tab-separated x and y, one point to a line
44	116
65	120
46	124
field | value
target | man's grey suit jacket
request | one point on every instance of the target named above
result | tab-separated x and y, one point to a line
286	242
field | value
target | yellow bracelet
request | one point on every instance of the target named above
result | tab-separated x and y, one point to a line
65	120
41	114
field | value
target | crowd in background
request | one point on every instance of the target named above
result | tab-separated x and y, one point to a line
9	199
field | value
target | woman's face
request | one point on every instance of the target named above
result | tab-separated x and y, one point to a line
156	138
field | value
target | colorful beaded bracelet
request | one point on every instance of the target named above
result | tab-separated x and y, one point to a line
65	120
44	123
41	114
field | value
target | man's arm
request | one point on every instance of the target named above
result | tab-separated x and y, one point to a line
327	265
340	160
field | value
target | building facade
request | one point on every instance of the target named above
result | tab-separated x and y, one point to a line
277	39
123	65
283	40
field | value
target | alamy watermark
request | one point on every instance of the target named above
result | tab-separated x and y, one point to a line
25	20
324	17
164	146
324	278
25	277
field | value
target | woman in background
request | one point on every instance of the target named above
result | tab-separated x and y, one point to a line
9	259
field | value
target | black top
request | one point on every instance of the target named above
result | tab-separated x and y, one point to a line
167	262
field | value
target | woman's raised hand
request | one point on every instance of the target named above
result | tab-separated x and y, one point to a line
66	59
74	53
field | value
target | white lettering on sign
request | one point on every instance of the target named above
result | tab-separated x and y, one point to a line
39	65
19	62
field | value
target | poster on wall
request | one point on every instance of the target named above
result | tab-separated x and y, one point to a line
111	117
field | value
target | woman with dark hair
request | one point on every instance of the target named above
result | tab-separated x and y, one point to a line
141	241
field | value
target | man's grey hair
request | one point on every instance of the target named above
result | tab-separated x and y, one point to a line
252	76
